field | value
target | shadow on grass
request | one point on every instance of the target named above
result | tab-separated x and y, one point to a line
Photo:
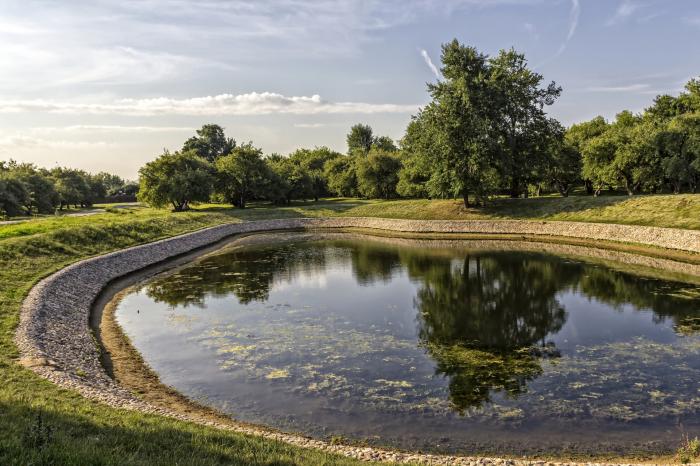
538	207
29	436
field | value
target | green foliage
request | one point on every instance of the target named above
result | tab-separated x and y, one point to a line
241	175
178	179
378	174
689	450
289	180
13	195
210	143
341	176
360	139
313	161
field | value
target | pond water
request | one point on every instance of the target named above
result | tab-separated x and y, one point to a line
420	345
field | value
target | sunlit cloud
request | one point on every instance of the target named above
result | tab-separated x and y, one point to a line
627	88
111	129
429	62
254	103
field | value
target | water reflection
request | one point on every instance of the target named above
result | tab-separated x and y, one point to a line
487	320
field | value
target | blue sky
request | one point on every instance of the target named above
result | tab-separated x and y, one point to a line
106	85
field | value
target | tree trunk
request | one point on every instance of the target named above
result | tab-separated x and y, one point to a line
465	198
515	188
588	184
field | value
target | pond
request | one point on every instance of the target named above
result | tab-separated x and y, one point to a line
456	346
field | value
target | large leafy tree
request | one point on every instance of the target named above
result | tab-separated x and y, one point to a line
519	124
313	161
378	174
289	180
242	175
340	174
43	197
178	179
360	139
624	155
210	143
457	143
578	136
14	194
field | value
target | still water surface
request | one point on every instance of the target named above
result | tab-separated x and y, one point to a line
423	346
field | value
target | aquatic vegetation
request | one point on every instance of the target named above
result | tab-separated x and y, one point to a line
362	339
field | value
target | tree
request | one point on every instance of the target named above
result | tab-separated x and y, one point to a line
210	143
378	174
242	175
625	154
179	179
14	194
519	123
43	197
579	135
564	167
73	187
313	161
457	122
384	143
360	139
113	184
290	180
341	176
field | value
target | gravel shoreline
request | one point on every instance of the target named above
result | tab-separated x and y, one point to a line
55	340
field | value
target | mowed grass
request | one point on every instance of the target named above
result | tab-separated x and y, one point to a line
41	424
80	432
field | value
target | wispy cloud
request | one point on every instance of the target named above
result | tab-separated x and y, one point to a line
532	30
310	125
23	141
111	129
574	14
429	62
254	103
639	87
692	20
623	12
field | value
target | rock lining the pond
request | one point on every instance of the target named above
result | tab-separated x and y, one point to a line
56	342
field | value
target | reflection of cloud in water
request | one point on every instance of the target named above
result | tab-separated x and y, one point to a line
301	279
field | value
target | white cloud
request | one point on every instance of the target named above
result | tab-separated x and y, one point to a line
574	14
310	125
254	103
627	88
21	142
429	62
111	129
623	12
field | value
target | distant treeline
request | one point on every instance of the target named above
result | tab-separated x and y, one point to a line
26	189
485	132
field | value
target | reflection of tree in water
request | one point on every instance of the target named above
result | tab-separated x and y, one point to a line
483	318
485	321
677	301
247	273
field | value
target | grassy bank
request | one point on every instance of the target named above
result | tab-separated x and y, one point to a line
673	211
42	424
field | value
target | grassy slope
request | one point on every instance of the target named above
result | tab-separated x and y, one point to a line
85	432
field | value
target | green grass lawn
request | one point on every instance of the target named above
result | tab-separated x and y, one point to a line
84	432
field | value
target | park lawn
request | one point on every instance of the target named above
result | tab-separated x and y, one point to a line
41	424
672	211
86	432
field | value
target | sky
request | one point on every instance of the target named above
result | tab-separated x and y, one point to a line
108	85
